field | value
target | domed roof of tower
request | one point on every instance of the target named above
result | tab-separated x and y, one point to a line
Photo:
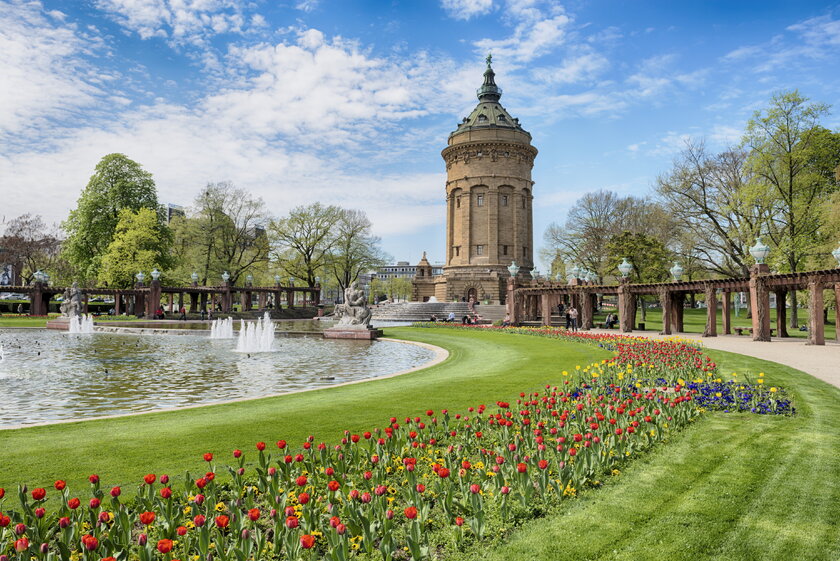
489	113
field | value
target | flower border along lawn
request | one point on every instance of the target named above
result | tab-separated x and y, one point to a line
482	367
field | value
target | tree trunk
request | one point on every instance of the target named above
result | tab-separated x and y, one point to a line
794	316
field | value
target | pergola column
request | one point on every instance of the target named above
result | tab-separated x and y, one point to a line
626	307
711	312
760	302
117	303
781	313
726	312
227	298
665	303
290	298
586	311
816	303
545	305
676	299
203	298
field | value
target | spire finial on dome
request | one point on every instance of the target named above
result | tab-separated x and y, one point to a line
489	91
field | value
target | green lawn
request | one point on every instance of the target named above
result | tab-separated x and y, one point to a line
10	320
694	321
731	487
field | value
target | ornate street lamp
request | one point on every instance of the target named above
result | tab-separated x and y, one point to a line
39	276
677	272
625	268
140	277
249	279
513	268
317	281
225	276
277	280
155	274
836	254
194	277
759	251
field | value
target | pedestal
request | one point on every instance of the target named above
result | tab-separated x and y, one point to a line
348	333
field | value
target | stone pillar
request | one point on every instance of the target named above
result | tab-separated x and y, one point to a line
153	301
711	312
545	305
727	312
261	300
665	303
85	307
180	301
585	311
781	313
317	295
511	304
816	303
139	299
290	298
227	298
245	301
203	298
837	311
626	305
36	300
117	303
760	303
677	309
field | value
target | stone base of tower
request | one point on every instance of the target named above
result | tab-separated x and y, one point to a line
460	284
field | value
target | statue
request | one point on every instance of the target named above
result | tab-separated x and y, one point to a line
72	305
353	313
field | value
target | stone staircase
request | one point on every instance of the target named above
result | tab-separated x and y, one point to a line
423	311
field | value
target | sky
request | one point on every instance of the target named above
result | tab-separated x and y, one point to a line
350	102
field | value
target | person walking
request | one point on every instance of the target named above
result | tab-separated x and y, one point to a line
573	316
183	314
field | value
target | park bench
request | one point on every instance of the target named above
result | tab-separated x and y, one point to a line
749	330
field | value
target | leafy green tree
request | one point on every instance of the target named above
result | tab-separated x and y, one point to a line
117	183
787	158
140	243
355	249
303	241
649	256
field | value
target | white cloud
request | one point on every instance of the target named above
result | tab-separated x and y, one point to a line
466	9
531	39
581	68
45	73
179	21
822	31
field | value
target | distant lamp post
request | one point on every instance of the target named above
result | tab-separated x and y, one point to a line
677	272
513	269
194	277
317	281
249	279
39	276
277	280
625	268
836	254
140	277
155	274
225	276
291	281
759	251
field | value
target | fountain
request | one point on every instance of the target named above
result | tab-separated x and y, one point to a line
256	337
221	328
81	324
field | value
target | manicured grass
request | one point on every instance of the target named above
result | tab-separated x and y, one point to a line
26	321
482	368
694	321
733	487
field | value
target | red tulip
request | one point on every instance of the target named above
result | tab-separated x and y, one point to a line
164	546
94	503
20	529
150	478
147	518
4	520
237	453
303	498
222	521
181	531
260	446
166	492
201	483
543	464
333	485
90	542
307	541
254	514
40	512
521	468
208	457
459	521
199	520
115	492
73	503
60	485
21	545
292	522
93	478
301	481
39	493
411	513
475	488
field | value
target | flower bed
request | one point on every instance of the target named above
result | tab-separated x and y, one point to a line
410	489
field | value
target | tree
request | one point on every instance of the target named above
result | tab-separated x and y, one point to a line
596	218
784	142
224	231
117	183
29	245
141	243
709	193
648	255
303	240
355	249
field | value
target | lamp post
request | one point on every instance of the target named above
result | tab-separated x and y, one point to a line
677	272
194	277
513	269
277	280
39	276
625	268
759	251
46	278
140	277
836	254
155	274
225	277
249	279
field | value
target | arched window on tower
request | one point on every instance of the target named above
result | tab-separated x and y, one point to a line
482	118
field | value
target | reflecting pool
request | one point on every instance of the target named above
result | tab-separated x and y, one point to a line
50	376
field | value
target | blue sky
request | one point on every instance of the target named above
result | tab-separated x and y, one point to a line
350	102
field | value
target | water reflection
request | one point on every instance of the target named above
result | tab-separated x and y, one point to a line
49	376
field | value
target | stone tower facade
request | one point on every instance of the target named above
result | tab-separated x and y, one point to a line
489	218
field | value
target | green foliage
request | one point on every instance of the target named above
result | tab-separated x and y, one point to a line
117	183
140	243
648	255
303	239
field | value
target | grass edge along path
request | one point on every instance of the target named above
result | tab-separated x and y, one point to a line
732	486
482	367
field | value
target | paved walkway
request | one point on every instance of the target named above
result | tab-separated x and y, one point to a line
822	362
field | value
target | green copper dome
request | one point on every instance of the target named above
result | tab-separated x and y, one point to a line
489	113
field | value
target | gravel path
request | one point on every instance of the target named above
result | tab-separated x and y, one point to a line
822	362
